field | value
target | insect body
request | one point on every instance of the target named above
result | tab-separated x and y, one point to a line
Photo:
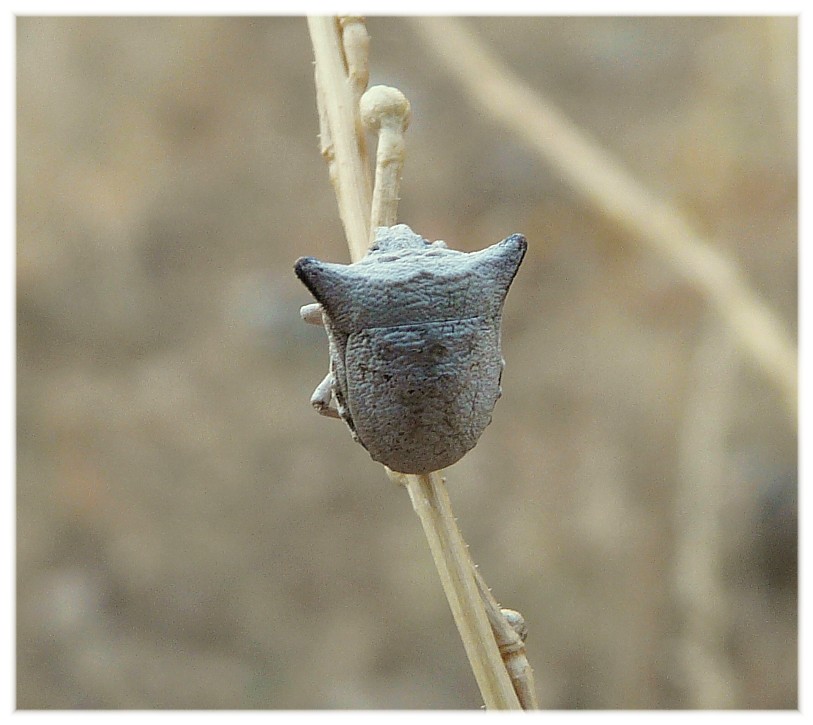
414	337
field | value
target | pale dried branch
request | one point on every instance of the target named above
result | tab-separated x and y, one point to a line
701	499
348	168
430	500
356	46
510	630
493	87
386	111
427	493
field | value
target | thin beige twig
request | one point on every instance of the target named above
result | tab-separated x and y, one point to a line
700	502
510	630
356	47
427	493
492	86
430	500
347	162
386	111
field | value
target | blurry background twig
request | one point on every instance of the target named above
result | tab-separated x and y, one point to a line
593	172
700	506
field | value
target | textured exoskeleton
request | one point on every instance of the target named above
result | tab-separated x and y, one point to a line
414	334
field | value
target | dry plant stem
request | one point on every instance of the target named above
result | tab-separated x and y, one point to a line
387	111
510	644
347	165
356	46
492	86
431	503
700	503
427	493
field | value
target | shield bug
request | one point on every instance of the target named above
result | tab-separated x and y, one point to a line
414	339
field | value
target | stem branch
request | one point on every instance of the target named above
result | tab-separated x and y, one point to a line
342	143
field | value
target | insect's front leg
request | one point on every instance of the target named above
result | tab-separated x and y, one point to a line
322	395
320	400
312	314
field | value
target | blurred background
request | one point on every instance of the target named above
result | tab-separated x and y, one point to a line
190	534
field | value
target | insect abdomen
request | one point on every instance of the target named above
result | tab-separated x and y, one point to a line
421	394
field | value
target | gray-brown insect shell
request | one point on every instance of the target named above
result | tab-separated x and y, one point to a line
414	334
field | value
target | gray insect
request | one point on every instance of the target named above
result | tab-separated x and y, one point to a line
414	337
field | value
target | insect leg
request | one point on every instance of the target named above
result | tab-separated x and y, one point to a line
312	314
322	395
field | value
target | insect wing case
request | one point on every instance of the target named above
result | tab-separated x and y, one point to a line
414	333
